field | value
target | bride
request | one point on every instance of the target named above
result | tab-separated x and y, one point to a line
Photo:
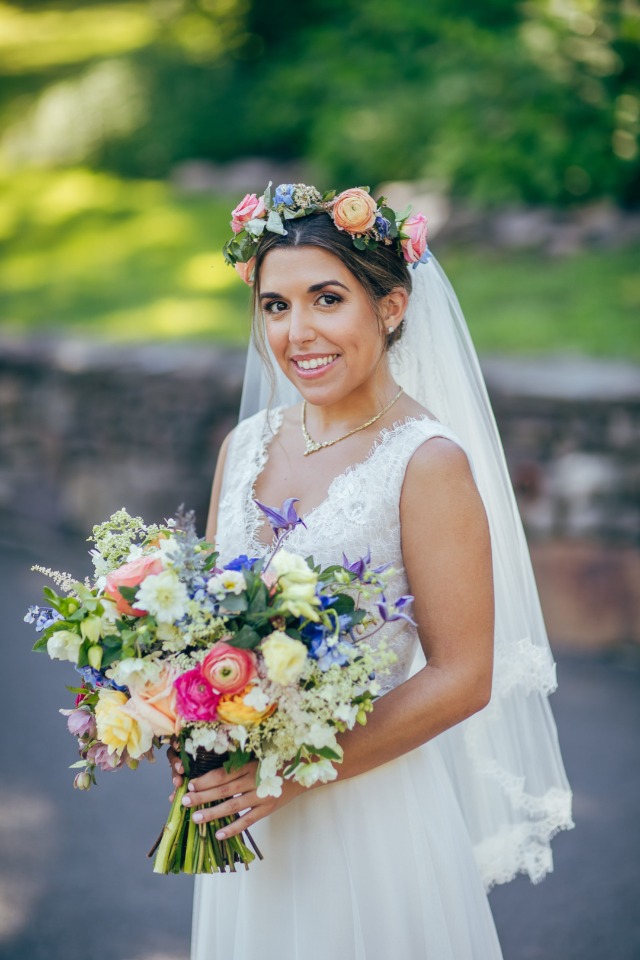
383	432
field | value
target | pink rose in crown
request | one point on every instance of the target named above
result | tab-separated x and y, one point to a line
228	669
250	207
354	210
130	575
413	237
196	699
245	270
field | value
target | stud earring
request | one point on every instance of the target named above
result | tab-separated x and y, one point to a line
389	330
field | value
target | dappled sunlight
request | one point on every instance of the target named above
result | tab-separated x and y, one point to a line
47	38
173	318
208	272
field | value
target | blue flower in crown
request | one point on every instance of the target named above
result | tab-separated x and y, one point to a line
382	226
284	195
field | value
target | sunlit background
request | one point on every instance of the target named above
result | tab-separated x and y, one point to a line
128	131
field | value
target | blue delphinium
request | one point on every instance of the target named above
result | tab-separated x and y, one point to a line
284	195
43	617
243	562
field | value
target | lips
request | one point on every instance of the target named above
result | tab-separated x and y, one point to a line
310	366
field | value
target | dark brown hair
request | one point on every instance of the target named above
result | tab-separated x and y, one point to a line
379	271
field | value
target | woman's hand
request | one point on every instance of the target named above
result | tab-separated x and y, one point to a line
233	793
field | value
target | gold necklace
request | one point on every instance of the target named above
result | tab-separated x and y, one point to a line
314	445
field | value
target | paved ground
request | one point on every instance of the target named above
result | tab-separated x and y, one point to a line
74	880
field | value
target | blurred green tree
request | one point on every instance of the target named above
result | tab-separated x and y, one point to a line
536	101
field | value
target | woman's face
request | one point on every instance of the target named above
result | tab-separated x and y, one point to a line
319	323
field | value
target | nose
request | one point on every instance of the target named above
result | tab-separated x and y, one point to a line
301	329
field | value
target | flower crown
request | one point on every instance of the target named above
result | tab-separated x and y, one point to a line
368	221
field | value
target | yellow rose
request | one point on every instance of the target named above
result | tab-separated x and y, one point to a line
232	709
284	658
354	211
118	728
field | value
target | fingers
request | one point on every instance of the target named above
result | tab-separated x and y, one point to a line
242	823
229	808
177	768
221	779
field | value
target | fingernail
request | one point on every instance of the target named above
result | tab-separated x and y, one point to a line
179	768
197	817
186	801
176	781
191	786
220	835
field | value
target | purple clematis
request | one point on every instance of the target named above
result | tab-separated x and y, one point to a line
389	614
285	519
360	566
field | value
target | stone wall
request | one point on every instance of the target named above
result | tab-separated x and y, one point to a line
86	428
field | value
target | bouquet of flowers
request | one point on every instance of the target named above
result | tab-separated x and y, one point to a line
261	659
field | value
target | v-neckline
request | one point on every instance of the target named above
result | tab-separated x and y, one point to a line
253	513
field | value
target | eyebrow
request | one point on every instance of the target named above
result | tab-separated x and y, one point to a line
312	289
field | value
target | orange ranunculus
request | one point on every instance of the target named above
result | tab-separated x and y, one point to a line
155	702
354	210
131	575
233	709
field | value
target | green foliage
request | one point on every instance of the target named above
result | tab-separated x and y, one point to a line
535	102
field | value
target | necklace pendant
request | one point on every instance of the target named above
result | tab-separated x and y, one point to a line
312	446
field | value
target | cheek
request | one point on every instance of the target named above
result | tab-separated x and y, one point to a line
277	337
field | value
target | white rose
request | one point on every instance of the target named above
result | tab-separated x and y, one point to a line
64	645
284	658
293	567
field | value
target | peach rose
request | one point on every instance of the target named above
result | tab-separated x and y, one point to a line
249	208
414	237
354	211
233	709
155	702
245	270
228	669
130	575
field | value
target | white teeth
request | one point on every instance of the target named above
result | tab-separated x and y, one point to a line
316	362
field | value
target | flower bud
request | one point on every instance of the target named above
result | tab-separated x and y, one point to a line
94	656
91	629
361	717
82	781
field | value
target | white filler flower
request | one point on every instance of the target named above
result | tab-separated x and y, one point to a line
163	596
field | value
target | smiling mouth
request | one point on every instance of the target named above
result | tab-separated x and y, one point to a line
316	362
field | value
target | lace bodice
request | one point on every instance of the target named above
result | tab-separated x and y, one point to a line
360	511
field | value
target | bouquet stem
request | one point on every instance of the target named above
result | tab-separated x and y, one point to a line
189	847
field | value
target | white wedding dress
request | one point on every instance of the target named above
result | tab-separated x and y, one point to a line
380	866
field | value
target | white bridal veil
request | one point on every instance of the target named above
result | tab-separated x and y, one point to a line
504	762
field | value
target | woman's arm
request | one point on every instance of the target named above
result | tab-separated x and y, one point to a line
446	550
447	556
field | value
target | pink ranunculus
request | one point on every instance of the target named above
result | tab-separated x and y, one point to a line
196	699
246	271
354	210
131	575
155	702
80	722
413	237
228	669
250	207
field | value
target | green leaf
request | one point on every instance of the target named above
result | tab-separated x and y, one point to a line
245	638
40	645
343	603
77	764
234	604
83	659
128	593
237	759
359	243
326	753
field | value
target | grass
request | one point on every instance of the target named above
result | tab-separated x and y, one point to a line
90	254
